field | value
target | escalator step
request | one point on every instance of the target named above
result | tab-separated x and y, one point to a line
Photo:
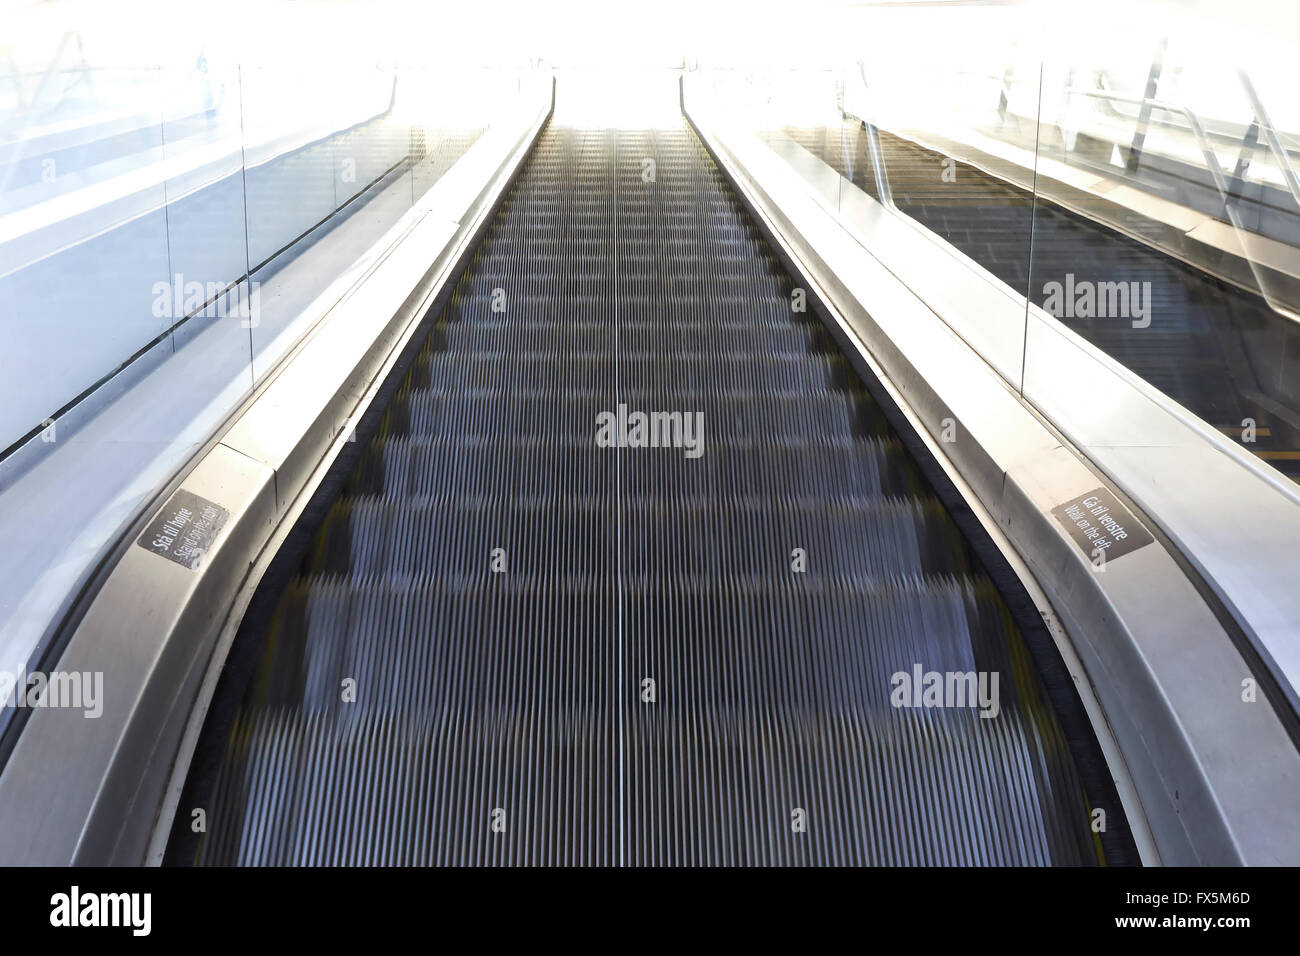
511	645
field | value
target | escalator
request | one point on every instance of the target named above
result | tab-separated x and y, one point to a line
1218	350
517	635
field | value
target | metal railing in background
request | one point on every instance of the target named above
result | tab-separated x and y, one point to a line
46	77
1229	189
1263	124
1230	207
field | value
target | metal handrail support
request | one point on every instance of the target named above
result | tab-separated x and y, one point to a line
1004	92
1144	111
1249	143
1216	173
26	107
1275	145
883	190
1146	105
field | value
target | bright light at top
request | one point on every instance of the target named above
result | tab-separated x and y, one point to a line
609	99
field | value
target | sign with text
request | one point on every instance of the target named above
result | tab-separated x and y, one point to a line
1098	522
185	529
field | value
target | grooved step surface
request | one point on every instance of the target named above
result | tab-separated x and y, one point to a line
768	586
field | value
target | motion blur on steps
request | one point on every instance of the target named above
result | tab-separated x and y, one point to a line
648	676
542	435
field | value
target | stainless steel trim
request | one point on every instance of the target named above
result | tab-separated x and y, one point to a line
869	367
94	791
1214	777
1236	524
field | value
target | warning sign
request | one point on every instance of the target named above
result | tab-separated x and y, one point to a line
1098	523
185	530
